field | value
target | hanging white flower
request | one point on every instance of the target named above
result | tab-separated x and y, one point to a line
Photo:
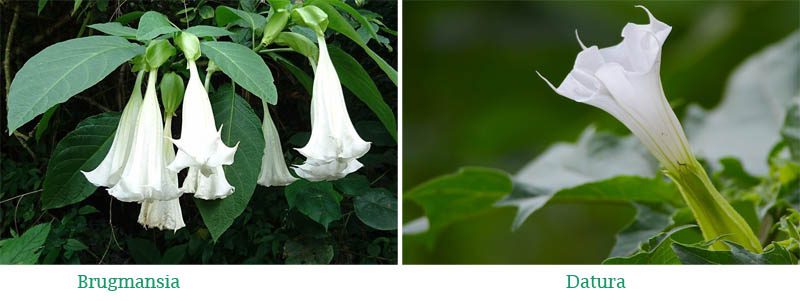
624	81
273	166
200	146
164	215
145	176
334	145
108	172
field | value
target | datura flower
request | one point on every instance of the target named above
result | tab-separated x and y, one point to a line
200	146
158	213
145	176
108	172
273	166
334	145
624	81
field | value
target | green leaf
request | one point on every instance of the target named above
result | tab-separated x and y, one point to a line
40	6
649	221
454	197
239	125
208	31
791	131
317	200
689	254
595	157
338	23
74	245
206	12
26	248
353	184
143	251
115	29
61	71
358	81
226	15
298	73
174	255
44	122
656	250
153	24
88	209
308	252
82	149
747	122
355	14
244	67
377	208
129	17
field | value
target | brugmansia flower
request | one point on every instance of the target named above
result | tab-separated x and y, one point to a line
145	176
273	166
334	145
200	146
159	213
108	172
624	81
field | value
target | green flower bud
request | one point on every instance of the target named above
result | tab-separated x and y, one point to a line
312	17
274	25
189	44
172	89
157	53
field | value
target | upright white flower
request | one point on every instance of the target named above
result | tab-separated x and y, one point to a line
334	145
273	166
200	147
145	176
158	213
108	172
624	81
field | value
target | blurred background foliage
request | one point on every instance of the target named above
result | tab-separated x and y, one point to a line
471	97
102	230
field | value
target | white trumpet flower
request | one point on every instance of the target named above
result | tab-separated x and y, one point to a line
164	214
145	176
273	166
200	146
624	81
334	145
108	172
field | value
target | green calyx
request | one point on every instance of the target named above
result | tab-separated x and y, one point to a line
172	89
298	43
715	215
312	17
157	53
189	44
275	24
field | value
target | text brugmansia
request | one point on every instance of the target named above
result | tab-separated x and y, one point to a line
114	283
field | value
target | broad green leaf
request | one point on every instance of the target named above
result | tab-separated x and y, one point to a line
244	67
358	81
308	252
143	251
298	73
689	254
26	248
317	200
355	14
649	221
115	29
129	17
88	209
206	12
338	23
174	255
208	31
747	122
791	130
61	71
622	189
239	125
226	15
153	24
82	149
74	245
595	157
656	250
453	197
353	184
377	208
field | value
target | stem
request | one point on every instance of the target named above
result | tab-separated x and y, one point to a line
7	54
207	81
715	215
